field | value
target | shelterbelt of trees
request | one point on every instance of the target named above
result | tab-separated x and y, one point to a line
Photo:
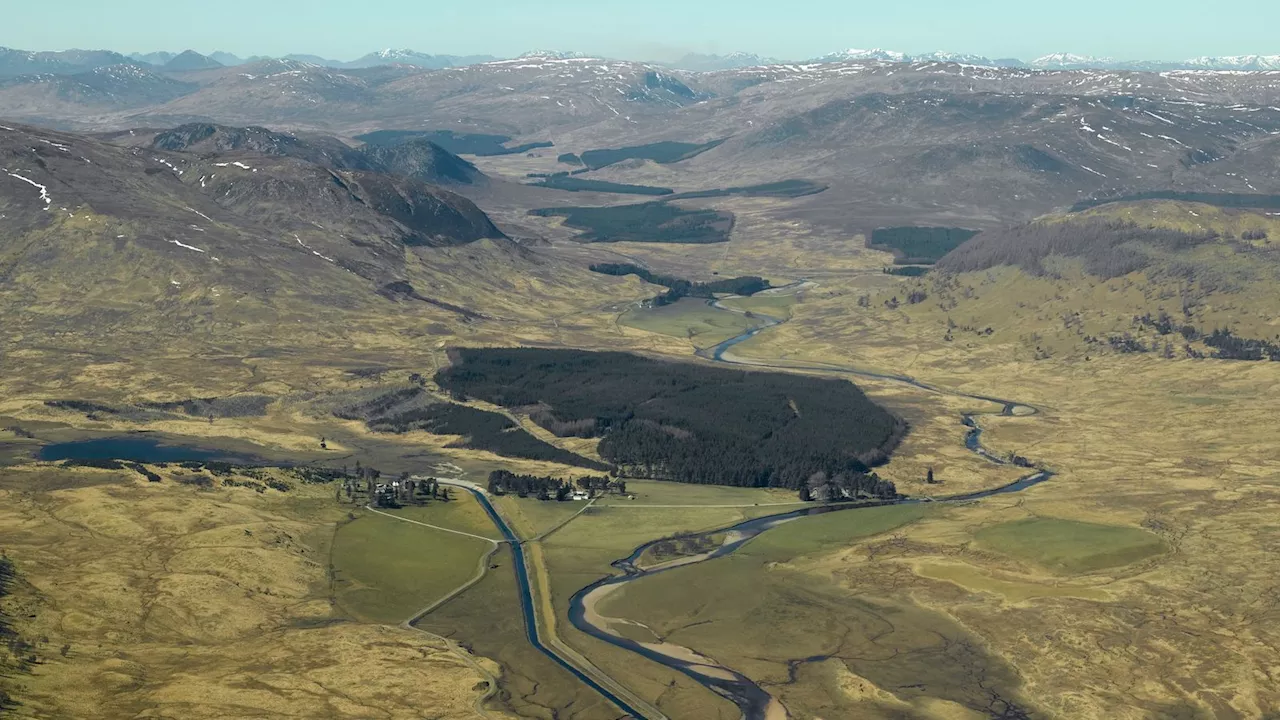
405	408
547	487
688	422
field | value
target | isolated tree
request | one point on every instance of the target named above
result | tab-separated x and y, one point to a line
806	495
929	477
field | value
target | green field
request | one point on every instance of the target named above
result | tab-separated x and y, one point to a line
385	570
691	318
1067	546
797	633
831	531
487	620
530	517
581	553
775	305
462	513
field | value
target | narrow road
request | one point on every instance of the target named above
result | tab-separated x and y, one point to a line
565	657
755	703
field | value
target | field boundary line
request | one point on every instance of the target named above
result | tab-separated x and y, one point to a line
434	527
566	521
482	569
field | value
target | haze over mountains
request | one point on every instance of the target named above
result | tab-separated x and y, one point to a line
22	62
1060	278
919	139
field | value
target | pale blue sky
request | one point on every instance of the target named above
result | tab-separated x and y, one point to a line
651	29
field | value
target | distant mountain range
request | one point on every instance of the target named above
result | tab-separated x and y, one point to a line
1061	61
15	63
390	56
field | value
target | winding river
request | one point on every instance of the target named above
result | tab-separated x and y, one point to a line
754	702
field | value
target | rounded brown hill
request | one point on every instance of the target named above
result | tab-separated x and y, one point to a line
418	158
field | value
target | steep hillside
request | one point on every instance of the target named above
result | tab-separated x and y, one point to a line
418	159
111	247
423	159
205	138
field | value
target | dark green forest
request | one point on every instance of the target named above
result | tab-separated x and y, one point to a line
456	143
647	222
690	422
679	287
546	487
914	245
907	270
660	152
574	184
411	408
782	189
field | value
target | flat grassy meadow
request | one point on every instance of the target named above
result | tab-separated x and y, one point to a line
385	570
692	319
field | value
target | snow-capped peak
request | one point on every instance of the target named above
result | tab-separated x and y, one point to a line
858	54
555	54
1236	62
393	53
952	57
1069	61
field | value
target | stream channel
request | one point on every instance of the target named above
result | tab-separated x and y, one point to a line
754	702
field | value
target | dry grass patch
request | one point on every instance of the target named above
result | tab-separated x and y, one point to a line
174	601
